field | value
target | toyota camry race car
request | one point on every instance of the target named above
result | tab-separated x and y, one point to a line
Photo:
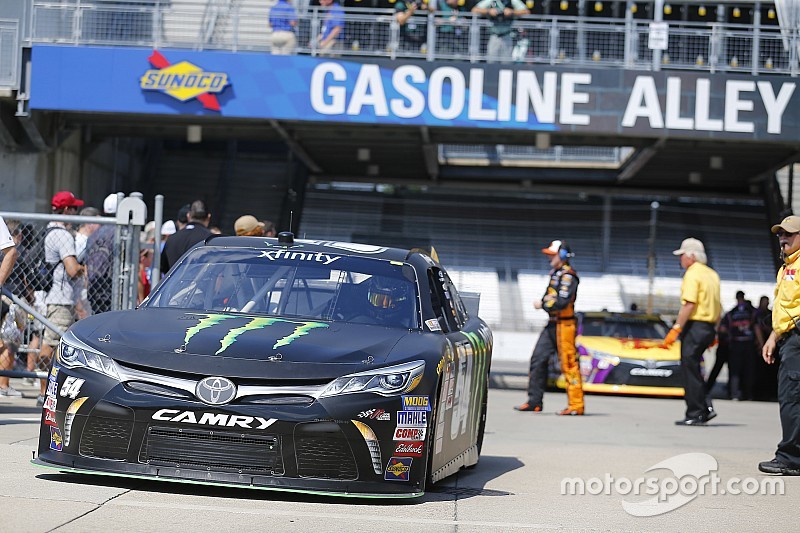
271	363
621	353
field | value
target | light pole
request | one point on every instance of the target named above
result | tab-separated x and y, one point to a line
651	256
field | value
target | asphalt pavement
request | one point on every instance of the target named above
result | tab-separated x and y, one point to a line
537	472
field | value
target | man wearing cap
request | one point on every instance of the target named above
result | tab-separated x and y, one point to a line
248	226
100	261
558	336
194	232
59	250
784	341
696	325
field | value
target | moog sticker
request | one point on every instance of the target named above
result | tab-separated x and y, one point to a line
416	403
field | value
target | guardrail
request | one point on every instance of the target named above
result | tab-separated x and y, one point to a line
555	40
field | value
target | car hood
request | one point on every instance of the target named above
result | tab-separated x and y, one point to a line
631	348
237	345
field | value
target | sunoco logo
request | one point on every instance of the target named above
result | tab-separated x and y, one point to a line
184	81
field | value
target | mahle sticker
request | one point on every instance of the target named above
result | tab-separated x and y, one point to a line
412	419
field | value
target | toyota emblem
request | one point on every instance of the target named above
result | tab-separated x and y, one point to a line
215	390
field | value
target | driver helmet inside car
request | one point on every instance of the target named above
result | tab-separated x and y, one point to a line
386	293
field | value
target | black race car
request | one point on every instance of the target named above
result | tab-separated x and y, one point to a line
301	365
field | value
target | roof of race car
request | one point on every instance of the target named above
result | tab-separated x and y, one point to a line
618	315
312	245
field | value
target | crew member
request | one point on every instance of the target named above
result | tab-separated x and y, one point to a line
696	325
785	340
559	335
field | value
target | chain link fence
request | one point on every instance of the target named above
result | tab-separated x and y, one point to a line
68	268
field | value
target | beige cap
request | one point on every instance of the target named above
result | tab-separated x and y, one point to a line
790	224
245	224
690	245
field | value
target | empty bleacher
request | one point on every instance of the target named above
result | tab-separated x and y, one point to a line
492	243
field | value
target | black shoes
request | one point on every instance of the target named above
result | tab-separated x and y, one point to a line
699	421
777	467
528	407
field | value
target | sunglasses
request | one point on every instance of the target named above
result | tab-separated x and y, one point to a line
782	233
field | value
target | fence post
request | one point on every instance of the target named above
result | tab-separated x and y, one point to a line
431	48
629	37
756	48
314	32
158	216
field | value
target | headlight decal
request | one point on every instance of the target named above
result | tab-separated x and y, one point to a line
70	417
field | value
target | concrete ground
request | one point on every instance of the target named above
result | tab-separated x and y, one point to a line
517	486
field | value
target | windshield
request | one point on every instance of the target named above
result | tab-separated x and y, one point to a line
293	283
624	328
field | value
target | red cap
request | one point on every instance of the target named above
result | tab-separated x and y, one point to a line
65	199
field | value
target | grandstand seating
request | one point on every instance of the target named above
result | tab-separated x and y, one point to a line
490	241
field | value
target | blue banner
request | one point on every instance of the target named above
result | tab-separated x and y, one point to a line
413	93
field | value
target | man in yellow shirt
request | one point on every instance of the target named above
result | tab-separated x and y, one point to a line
696	325
785	341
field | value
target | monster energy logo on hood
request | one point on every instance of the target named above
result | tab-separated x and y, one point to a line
318	257
208	320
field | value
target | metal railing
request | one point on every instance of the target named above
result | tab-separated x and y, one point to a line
544	39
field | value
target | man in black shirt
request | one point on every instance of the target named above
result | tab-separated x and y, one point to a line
195	231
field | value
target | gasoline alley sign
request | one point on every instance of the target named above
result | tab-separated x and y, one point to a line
552	99
449	94
184	81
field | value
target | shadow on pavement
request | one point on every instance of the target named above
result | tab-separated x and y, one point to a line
472	481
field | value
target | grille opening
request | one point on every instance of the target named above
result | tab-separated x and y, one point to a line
325	456
221	451
106	438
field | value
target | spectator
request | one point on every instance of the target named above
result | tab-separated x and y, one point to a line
413	25
269	228
452	30
249	226
83	307
329	41
766	381
12	321
696	325
501	13
145	262
59	250
100	261
740	324
194	232
7	350
283	20
183	217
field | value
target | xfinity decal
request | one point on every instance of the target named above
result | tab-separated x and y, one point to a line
209	320
318	257
213	419
375	414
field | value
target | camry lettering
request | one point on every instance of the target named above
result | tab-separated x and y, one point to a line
652	372
213	419
318	257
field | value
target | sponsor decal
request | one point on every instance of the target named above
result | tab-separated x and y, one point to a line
789	274
317	257
184	81
54	373
652	372
398	469
416	403
213	419
69	418
408	449
50	418
375	414
413	434
412	419
433	324
52	388
209	320
56	442
71	387
50	403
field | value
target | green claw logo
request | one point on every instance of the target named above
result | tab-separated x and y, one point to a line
209	320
